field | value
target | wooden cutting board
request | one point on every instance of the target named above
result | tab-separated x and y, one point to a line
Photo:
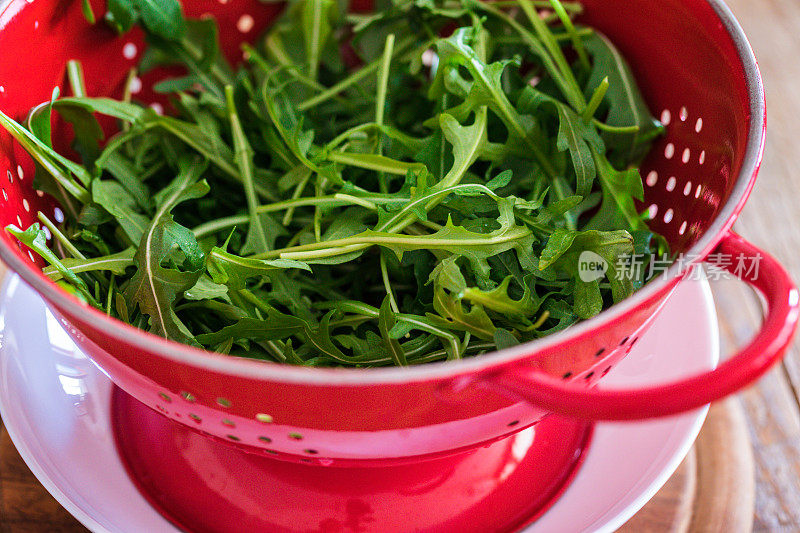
713	490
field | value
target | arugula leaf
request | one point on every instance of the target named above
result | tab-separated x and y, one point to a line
198	51
115	263
120	204
386	322
573	135
57	166
499	300
504	339
485	89
34	238
626	105
451	315
563	251
620	189
444	184
154	287
40	119
162	17
275	326
234	271
121	15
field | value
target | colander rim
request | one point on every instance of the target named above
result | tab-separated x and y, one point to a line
277	372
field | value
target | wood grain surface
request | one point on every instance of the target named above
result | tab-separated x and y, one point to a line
770	411
772	220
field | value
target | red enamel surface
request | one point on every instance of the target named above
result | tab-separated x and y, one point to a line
497	488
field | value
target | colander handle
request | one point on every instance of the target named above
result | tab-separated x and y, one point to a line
752	361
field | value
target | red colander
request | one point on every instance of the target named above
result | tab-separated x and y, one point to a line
698	74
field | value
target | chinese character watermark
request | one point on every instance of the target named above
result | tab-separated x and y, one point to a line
718	266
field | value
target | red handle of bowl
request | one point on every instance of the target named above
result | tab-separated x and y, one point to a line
752	361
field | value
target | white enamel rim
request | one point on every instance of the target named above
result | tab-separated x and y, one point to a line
260	370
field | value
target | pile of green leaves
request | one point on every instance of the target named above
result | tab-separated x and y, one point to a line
396	188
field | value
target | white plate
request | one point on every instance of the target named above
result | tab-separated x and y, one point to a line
56	405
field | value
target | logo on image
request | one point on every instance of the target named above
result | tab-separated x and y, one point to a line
591	267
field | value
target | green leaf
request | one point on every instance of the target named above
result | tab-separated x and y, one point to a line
40	119
448	275
114	263
476	247
129	177
118	202
121	15
451	315
504	339
468	142
275	326
588	299
626	105
485	89
57	166
124	111
162	17
289	126
499	300
34	238
573	135
198	52
386	322
234	271
620	189
206	289
563	252
88	133
501	180
154	287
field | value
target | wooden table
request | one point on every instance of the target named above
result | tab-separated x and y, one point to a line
771	220
771	408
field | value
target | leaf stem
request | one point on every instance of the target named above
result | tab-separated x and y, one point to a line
620	130
572	90
354	78
244	160
56	165
75	77
597	99
577	43
388	285
298	191
380	101
334	247
314	44
68	246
